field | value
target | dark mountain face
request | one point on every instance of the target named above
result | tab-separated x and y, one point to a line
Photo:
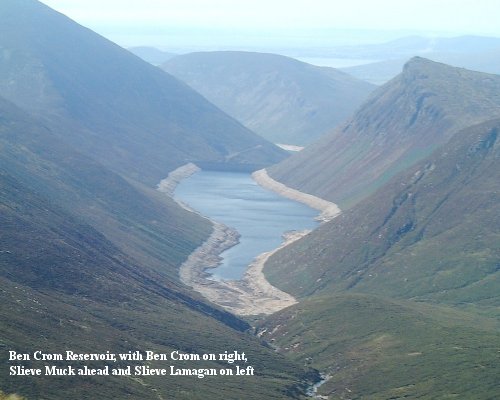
89	250
282	99
116	108
88	263
401	123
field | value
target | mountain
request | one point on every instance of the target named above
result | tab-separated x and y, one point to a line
135	118
282	99
89	250
399	295
151	54
430	234
400	124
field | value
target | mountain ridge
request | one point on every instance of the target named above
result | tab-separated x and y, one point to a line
401	123
283	99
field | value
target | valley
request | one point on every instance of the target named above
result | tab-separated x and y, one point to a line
147	209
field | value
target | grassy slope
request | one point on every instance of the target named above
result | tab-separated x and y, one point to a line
432	233
400	124
376	348
282	99
400	294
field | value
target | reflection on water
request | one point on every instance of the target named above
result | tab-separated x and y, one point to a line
260	216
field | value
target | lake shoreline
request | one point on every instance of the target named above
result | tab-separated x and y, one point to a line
253	294
328	209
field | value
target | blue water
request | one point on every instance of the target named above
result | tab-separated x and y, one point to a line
260	216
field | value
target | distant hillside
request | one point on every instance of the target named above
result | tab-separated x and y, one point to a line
412	46
282	99
476	53
380	72
401	123
137	119
151	54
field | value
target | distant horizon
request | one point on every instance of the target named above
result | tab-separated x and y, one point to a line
196	25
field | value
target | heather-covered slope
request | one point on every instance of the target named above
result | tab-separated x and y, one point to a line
116	108
401	123
88	263
90	251
142	222
282	99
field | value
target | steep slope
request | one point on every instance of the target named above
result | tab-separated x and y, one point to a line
401	123
282	99
116	108
65	286
400	295
143	223
431	234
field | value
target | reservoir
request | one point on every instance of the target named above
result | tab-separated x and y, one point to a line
259	215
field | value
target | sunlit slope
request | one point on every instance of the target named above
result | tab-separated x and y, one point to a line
431	234
282	99
116	108
400	124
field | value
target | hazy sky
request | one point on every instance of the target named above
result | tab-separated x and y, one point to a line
154	22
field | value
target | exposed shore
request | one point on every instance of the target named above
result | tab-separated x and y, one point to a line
169	184
328	209
253	294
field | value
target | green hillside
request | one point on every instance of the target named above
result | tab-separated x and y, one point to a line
282	99
376	348
400	124
400	293
431	234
